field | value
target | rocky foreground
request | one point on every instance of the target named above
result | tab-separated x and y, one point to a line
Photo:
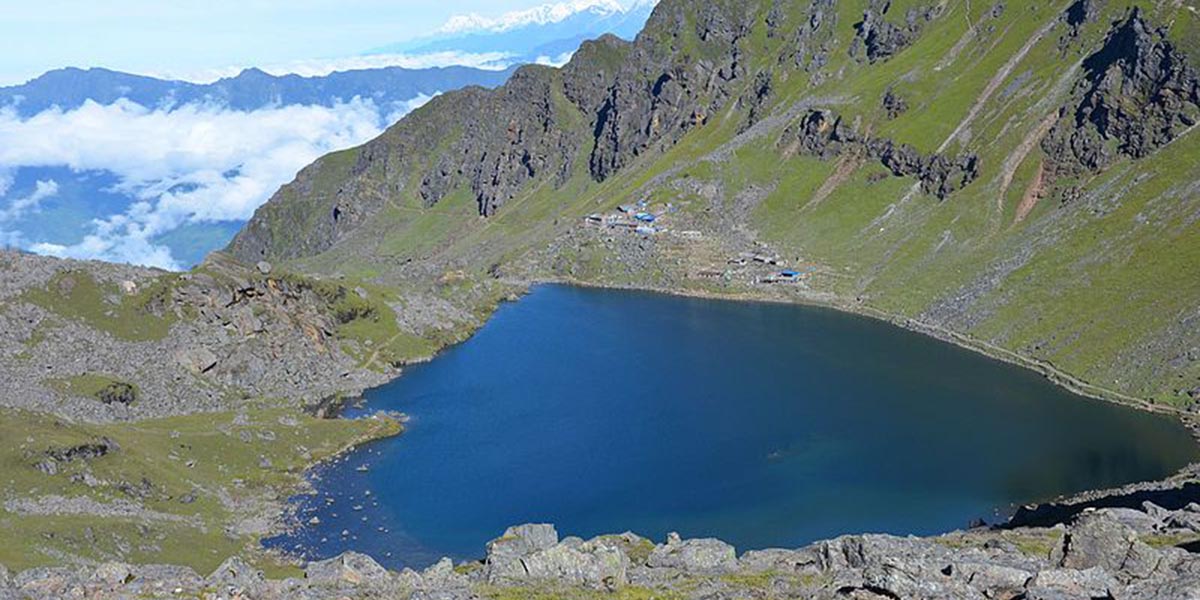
1115	553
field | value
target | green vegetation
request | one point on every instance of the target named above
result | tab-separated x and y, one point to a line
197	489
136	315
98	387
1089	275
1170	541
363	316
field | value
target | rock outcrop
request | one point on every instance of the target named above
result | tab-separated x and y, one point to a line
823	134
1097	555
224	333
614	102
877	38
1139	93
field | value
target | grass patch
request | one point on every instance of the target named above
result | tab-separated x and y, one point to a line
136	317
95	386
1170	541
196	479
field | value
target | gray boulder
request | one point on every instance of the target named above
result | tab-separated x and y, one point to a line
597	564
4	577
441	576
702	556
182	577
775	559
409	579
236	573
350	568
1184	519
46	582
995	581
198	360
113	574
1098	539
506	554
523	540
1067	584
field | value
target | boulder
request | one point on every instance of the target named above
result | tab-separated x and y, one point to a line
263	267
409	579
1068	584
441	576
182	577
505	554
349	568
113	574
197	360
995	581
702	556
1139	521
523	540
775	559
1184	519
597	567
235	573
4	577
45	582
1098	539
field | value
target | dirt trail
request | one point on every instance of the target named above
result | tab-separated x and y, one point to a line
846	167
1033	194
1018	156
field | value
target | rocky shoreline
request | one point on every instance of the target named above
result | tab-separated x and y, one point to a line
1138	554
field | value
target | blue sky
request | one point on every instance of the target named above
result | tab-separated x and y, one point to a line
187	37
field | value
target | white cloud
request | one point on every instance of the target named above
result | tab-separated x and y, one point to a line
193	164
399	109
538	15
319	67
557	61
20	206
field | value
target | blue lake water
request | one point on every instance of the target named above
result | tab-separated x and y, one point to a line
765	425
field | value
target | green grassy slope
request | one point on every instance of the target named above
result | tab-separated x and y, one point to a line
1093	274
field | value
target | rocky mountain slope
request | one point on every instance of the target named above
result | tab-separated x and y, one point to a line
103	342
1016	176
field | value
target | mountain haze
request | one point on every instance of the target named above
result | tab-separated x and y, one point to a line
251	89
541	34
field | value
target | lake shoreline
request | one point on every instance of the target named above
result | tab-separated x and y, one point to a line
841	305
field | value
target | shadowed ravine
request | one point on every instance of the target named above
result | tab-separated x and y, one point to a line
765	425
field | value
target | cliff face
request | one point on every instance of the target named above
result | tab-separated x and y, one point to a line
612	103
986	169
1139	92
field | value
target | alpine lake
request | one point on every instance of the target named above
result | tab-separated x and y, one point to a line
765	425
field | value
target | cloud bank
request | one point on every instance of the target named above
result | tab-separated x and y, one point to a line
193	164
538	15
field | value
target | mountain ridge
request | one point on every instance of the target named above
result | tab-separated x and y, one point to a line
881	177
251	89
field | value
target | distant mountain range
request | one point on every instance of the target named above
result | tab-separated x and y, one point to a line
252	89
98	163
547	33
